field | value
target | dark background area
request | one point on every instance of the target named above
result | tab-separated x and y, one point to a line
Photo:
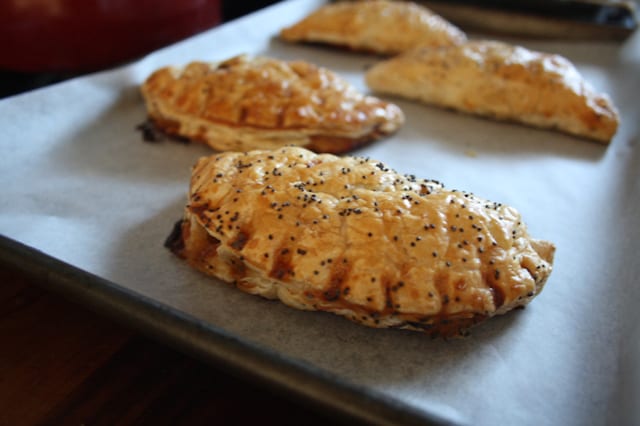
14	82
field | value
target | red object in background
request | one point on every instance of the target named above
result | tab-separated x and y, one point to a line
87	35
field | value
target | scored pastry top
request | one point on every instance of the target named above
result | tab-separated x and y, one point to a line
350	236
383	27
502	81
249	103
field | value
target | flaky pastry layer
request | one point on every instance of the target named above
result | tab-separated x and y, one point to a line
383	27
264	103
352	237
501	81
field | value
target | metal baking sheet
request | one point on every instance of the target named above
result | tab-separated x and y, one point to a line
86	205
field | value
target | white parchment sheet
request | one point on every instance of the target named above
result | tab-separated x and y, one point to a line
79	184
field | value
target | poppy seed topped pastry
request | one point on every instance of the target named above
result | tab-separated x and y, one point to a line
383	27
263	103
352	237
501	81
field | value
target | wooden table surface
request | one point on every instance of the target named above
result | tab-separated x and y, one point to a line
61	364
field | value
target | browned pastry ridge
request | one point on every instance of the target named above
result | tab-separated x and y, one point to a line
352	237
501	81
263	103
383	27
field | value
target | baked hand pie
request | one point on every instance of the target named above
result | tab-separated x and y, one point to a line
263	103
500	81
348	235
382	27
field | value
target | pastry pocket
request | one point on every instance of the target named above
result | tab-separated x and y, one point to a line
500	81
382	27
349	236
263	103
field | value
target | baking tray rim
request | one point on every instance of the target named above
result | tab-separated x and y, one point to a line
294	379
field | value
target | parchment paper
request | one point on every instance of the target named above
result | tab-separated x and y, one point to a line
79	184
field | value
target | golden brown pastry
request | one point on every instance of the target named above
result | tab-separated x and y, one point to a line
263	103
352	237
383	27
501	81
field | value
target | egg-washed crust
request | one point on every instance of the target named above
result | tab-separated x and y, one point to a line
350	236
500	81
382	27
264	103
